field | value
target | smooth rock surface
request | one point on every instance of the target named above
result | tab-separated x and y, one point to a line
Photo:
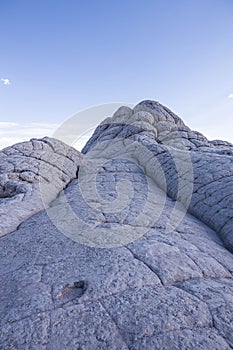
131	254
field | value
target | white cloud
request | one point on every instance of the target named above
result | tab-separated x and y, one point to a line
82	140
230	95
11	133
5	81
7	124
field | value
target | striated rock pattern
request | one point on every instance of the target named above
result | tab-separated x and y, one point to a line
31	175
203	168
132	254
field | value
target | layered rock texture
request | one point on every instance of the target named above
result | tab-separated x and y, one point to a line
134	249
32	174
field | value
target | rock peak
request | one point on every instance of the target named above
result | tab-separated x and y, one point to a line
134	247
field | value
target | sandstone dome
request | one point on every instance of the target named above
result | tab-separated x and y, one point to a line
126	245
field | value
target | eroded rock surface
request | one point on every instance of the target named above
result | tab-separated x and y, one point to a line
126	257
32	174
195	171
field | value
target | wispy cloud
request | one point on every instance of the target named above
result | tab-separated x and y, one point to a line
230	95
5	81
11	133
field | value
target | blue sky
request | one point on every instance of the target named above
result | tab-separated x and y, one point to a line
64	56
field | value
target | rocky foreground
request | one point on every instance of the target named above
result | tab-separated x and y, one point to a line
130	245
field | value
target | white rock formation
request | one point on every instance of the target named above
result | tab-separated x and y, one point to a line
132	253
32	174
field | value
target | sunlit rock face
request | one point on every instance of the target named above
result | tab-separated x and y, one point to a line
134	249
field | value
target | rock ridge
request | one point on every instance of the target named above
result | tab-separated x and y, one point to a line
32	174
